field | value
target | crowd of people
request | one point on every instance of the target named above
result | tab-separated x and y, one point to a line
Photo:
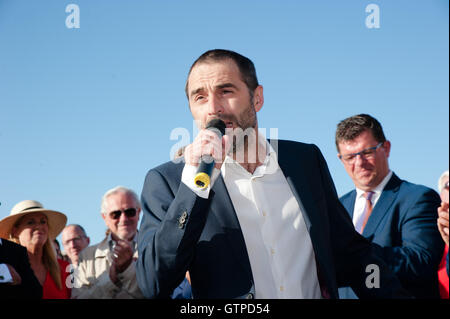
267	224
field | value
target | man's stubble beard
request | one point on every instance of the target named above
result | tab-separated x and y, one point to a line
244	136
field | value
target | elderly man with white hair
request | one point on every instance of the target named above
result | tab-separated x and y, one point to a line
107	270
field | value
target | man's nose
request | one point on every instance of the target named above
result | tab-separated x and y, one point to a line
69	244
215	105
123	217
360	159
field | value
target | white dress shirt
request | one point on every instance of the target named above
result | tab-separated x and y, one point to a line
5	275
360	202
278	244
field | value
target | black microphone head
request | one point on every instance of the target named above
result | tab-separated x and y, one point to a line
217	125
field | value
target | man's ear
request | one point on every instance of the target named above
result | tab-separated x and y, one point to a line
387	148
339	151
258	98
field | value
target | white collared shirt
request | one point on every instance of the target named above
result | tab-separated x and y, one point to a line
277	241
360	202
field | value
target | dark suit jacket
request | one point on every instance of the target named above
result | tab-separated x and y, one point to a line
17	256
210	244
403	228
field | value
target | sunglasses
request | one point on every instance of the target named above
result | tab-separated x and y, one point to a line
129	212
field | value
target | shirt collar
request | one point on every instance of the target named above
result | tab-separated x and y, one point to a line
269	166
378	189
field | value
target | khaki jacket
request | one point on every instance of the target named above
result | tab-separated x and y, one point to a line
91	276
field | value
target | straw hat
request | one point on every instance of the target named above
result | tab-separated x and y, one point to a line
56	220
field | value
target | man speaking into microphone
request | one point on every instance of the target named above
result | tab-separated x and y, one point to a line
207	163
266	224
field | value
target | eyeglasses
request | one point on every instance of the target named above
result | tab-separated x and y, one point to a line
368	153
129	212
75	240
446	185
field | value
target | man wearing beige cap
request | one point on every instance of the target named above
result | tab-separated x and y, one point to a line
107	270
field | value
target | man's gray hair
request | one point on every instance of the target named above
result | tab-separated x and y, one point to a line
441	183
119	189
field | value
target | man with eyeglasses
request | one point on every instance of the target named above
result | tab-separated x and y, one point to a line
107	270
74	240
398	217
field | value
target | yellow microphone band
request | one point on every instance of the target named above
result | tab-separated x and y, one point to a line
202	180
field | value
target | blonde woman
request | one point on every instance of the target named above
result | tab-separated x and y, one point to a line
35	228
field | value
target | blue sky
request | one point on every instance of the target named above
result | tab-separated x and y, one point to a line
84	110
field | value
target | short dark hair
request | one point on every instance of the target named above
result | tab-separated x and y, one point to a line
352	127
245	66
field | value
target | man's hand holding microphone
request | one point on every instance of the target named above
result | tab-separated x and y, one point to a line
208	151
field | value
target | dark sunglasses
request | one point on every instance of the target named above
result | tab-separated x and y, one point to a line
129	212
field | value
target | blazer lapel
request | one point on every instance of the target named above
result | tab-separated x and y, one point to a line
299	182
388	196
349	203
223	210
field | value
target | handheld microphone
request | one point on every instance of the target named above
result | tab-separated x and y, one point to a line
203	177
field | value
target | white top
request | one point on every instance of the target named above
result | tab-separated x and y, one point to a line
360	201
278	244
5	275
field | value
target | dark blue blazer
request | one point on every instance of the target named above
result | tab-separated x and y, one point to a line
180	231
403	228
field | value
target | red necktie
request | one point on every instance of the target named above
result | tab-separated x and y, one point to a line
367	209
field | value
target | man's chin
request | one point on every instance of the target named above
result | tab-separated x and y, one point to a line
126	235
365	183
366	186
